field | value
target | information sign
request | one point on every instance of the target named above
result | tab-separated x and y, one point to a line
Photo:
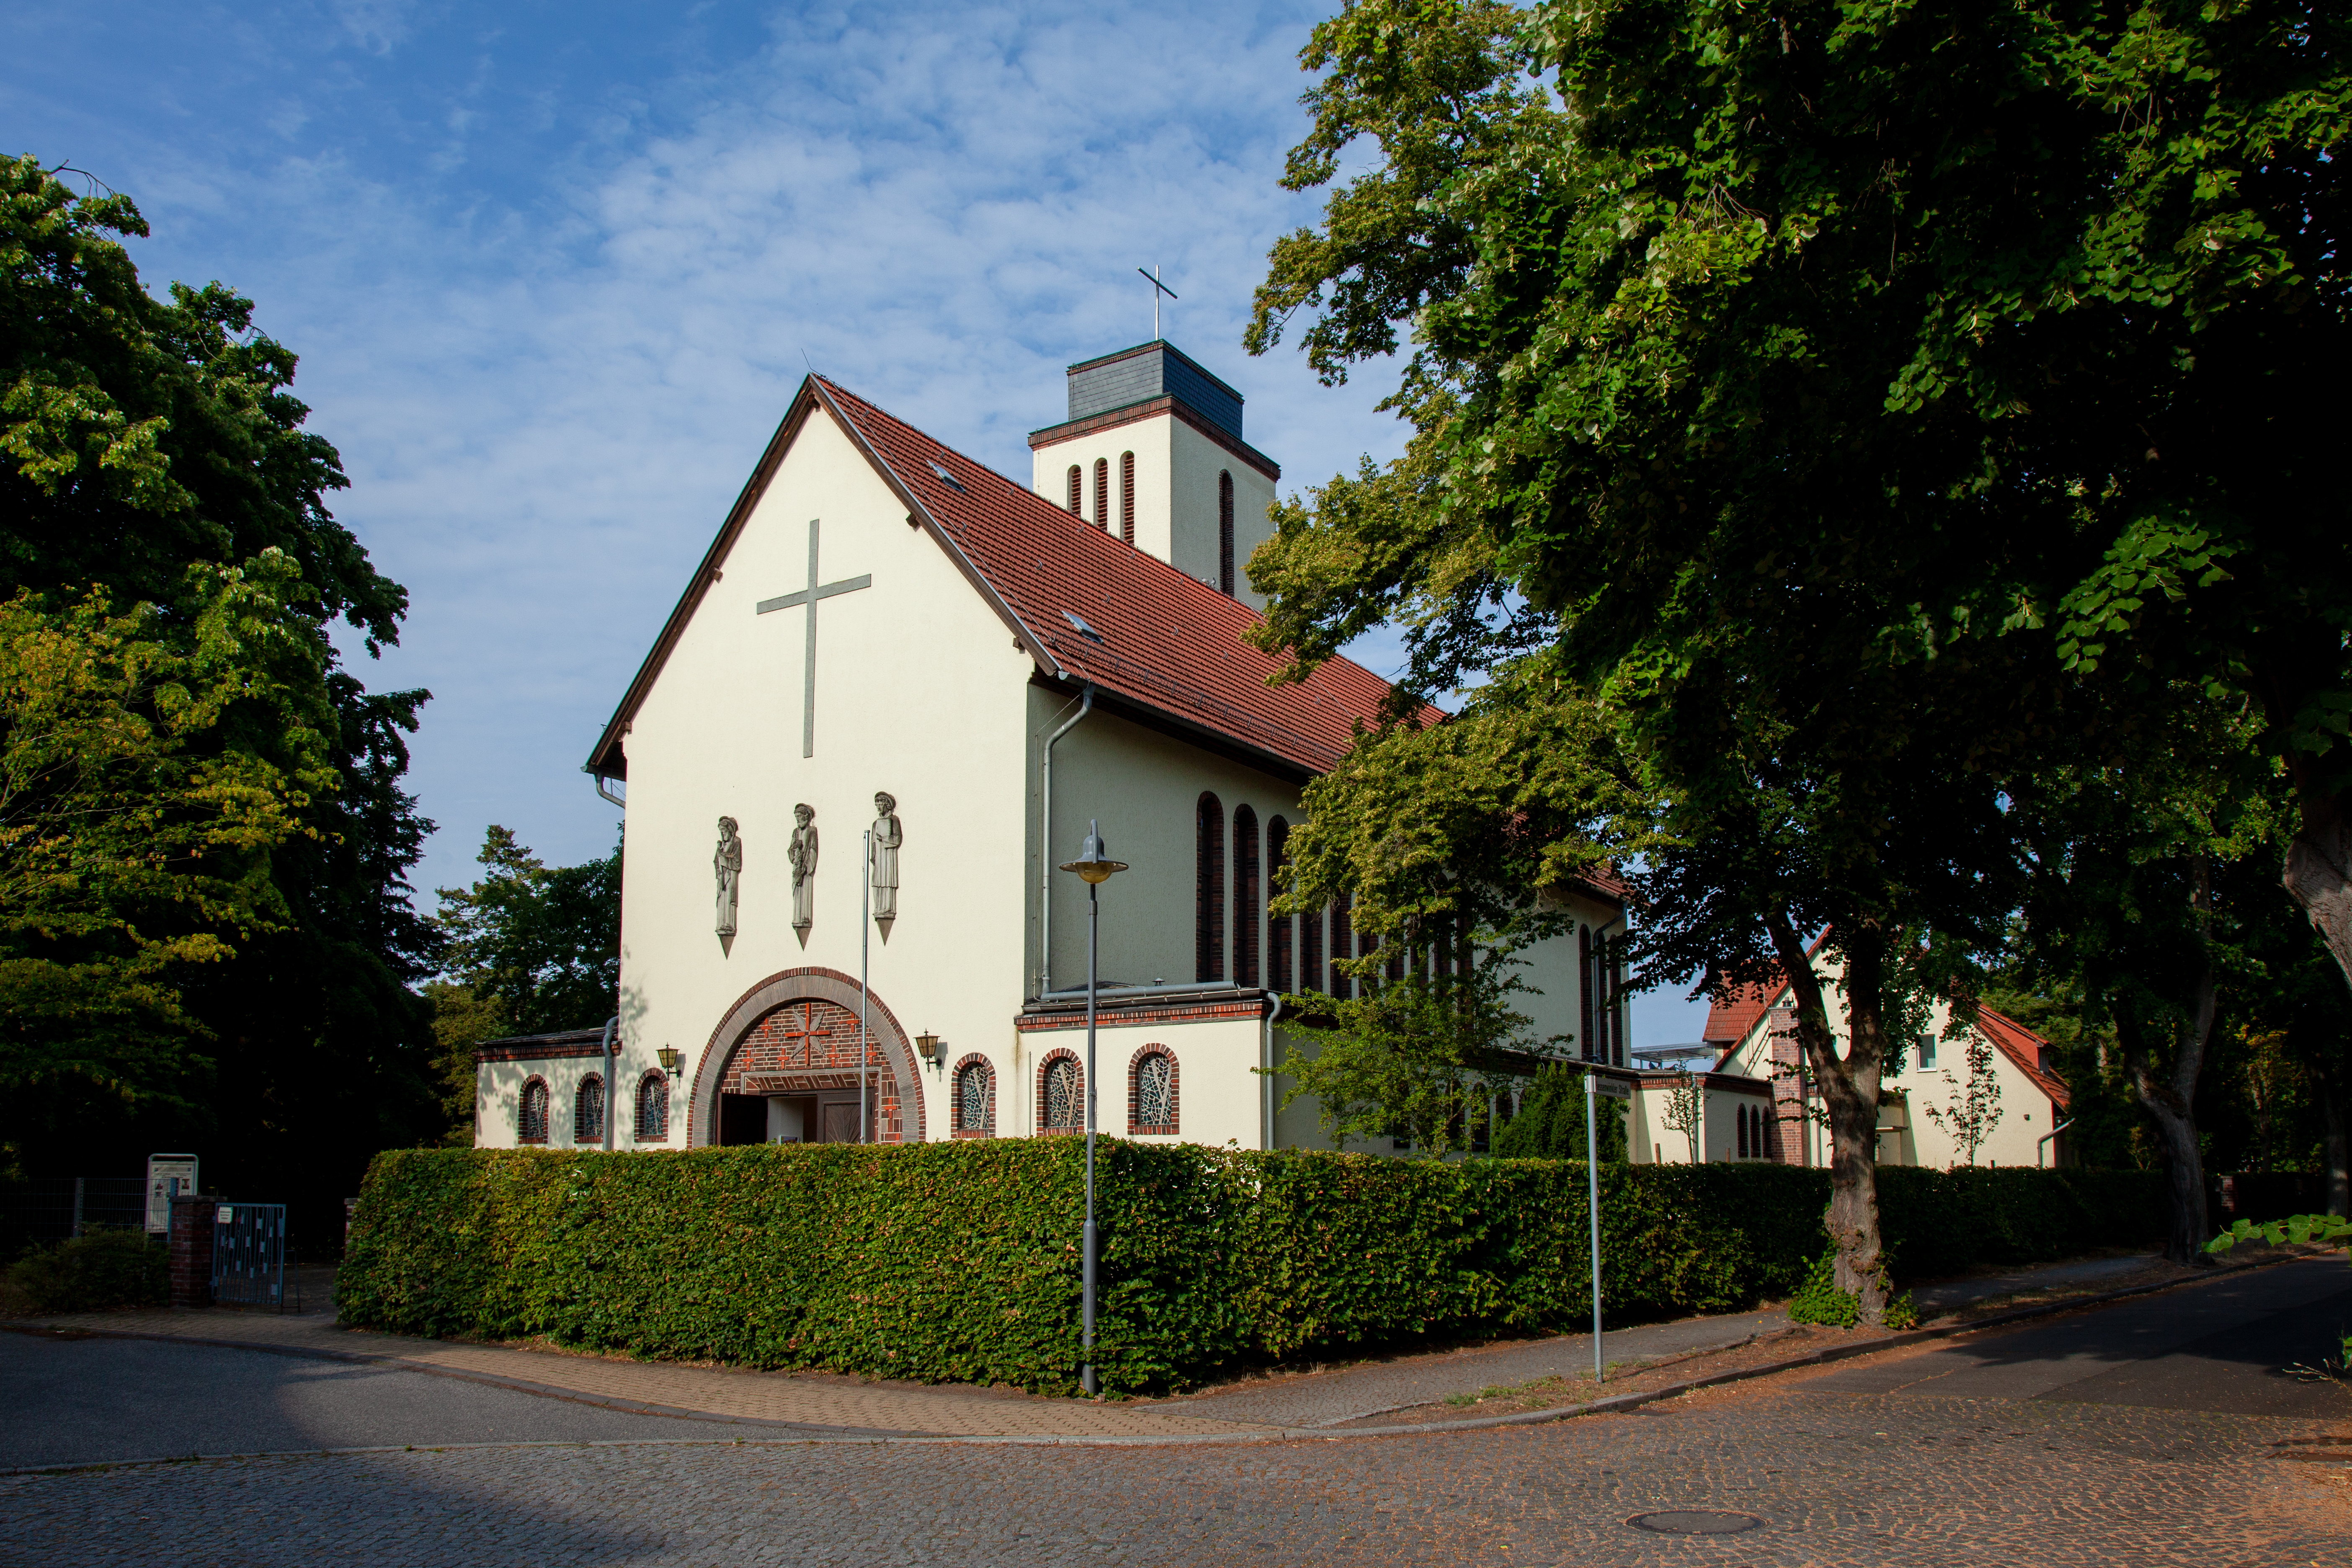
168	1176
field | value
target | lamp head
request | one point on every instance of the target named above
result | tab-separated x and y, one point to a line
929	1044
1094	862
668	1057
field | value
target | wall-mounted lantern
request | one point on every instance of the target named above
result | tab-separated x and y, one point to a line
929	1044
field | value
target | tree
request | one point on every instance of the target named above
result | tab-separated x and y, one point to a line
1550	1124
1832	396
146	777
1970	1116
140	437
1419	1058
531	948
1685	1108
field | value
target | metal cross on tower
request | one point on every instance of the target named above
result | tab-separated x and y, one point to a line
809	596
1158	288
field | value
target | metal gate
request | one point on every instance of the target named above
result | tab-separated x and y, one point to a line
249	1255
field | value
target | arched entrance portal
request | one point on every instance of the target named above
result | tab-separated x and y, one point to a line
782	1065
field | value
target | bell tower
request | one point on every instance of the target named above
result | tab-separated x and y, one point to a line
1152	453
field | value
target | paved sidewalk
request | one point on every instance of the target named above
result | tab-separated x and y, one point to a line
821	1404
1352	1392
808	1401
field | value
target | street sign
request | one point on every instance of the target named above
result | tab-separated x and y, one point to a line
1611	1088
168	1176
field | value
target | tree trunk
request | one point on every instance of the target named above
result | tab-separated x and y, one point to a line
2169	1099
1849	1087
2319	866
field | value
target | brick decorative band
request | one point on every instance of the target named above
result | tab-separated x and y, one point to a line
1110	1016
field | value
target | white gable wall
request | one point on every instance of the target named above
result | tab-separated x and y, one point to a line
1176	469
921	691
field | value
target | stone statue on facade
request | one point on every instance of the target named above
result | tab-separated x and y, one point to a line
803	855
887	837
727	864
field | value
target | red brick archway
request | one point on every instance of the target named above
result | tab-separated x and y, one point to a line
795	1032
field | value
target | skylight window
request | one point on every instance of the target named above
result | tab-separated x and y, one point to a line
1084	630
947	478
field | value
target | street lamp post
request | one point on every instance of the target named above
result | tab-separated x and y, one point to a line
1095	865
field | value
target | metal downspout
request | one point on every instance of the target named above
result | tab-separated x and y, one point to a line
2045	1138
1045	846
610	1102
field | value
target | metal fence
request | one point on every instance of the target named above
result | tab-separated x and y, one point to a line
54	1208
249	1255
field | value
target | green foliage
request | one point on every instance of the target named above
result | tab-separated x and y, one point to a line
142	440
462	1019
1970	1116
1819	1301
150	762
100	1267
1418	1057
2297	1230
542	941
1551	1120
959	1261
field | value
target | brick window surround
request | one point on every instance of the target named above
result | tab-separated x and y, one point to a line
653	1108
1045	1065
1135	1092
1076	481
531	1112
960	1127
1102	494
1208	890
1126	498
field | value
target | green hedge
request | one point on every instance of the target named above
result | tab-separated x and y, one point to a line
959	1261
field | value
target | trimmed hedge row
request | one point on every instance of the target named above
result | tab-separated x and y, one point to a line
959	1261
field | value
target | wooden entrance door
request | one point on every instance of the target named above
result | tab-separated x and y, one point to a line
841	1123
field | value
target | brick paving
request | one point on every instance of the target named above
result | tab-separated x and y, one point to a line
1886	1481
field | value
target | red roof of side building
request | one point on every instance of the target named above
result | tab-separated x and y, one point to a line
2023	1048
1153	637
1727	1022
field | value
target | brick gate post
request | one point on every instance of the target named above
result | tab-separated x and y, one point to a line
192	1251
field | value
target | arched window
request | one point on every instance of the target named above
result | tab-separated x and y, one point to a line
1277	927
1208	890
588	1110
1075	481
1617	1003
1310	951
1584	1011
1126	497
973	1112
1060	1094
653	1108
1742	1120
1225	534
1394	943
1343	944
1151	1092
1246	896
531	1117
1102	492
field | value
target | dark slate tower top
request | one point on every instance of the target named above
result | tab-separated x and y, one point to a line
1148	371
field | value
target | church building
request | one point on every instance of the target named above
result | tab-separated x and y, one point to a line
889	703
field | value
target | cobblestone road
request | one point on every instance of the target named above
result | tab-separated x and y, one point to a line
1837	1478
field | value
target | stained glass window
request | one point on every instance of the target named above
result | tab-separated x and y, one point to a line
588	1112
971	1099
1155	1092
1064	1108
532	1123
653	1106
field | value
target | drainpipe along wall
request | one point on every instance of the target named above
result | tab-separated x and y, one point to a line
1046	845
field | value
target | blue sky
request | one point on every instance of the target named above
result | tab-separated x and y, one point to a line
554	270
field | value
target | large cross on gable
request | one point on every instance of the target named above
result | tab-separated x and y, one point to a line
809	596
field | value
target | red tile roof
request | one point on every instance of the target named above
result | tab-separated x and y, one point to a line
1727	1022
2023	1048
1162	640
1161	637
